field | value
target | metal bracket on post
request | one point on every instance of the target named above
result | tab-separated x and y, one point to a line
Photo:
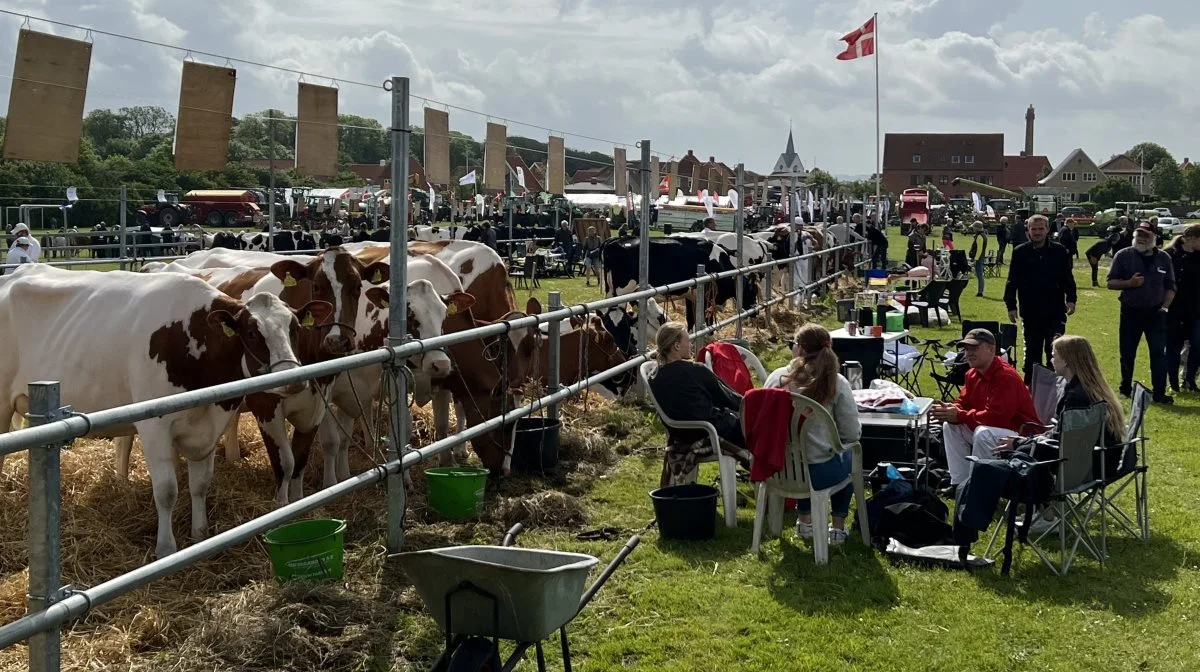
555	354
700	273
121	220
45	508
398	427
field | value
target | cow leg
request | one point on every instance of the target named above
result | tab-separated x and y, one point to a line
301	446
441	423
160	462
200	475
332	443
124	446
6	422
690	313
279	450
232	449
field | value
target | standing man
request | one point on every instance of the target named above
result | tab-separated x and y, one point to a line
1068	237
1001	239
977	252
1041	288
879	245
1145	277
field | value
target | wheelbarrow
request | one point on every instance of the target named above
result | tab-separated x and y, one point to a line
480	595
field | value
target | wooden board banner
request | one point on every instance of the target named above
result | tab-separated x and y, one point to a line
205	116
673	181
45	103
655	178
494	164
316	130
437	147
556	166
620	174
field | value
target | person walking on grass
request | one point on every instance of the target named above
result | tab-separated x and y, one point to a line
977	252
1040	290
1145	277
1001	240
1183	319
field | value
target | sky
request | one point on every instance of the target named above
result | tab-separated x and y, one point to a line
723	78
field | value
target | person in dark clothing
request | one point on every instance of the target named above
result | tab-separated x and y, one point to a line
1183	320
1068	237
1041	290
1146	279
1001	239
1016	232
1096	252
879	245
977	252
689	391
916	243
566	240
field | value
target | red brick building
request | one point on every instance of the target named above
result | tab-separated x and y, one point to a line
913	159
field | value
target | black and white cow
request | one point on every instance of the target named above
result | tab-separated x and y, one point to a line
673	260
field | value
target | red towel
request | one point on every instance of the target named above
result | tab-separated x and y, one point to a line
728	365
766	414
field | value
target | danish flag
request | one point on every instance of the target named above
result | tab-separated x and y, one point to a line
860	42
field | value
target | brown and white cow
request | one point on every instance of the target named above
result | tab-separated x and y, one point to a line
117	338
585	348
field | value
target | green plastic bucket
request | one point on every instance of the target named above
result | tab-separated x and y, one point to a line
456	492
307	549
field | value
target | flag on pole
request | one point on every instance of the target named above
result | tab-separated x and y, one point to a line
860	42
521	177
432	198
469	178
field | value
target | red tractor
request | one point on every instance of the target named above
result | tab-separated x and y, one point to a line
216	207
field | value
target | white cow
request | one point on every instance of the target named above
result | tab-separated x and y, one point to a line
118	338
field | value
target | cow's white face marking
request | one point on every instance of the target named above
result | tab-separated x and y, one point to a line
335	285
430	312
274	323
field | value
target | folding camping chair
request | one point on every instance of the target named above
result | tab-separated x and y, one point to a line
953	294
1132	468
929	298
1046	388
794	481
951	377
726	464
1076	494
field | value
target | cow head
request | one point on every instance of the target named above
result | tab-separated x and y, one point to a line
336	277
621	323
598	351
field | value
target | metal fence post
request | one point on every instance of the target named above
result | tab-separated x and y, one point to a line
644	243
555	354
700	273
739	226
45	552
770	282
121	217
398	434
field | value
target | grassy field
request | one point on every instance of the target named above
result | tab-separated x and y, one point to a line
673	606
693	606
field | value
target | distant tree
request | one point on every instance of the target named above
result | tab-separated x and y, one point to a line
818	178
1191	182
1167	180
1149	154
1109	192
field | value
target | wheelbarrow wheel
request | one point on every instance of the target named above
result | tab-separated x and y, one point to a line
475	655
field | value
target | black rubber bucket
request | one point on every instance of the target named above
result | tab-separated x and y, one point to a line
668	229
687	512
535	444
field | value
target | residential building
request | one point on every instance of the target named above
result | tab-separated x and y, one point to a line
1123	167
690	167
532	184
1075	177
913	159
380	173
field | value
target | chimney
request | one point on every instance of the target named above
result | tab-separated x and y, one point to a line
1029	115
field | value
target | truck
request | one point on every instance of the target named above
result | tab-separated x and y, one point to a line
914	204
210	207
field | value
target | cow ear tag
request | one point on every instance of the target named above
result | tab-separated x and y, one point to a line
308	320
451	309
227	329
383	304
377	279
288	280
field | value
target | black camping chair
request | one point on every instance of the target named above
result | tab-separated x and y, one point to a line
954	293
929	298
868	352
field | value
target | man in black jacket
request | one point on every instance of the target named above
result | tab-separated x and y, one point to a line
1041	288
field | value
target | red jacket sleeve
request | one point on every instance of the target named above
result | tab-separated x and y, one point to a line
1001	400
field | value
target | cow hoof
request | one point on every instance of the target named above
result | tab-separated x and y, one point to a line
163	550
199	534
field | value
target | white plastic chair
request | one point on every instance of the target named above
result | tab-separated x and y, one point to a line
793	481
726	465
751	360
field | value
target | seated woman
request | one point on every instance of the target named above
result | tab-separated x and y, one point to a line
689	391
814	374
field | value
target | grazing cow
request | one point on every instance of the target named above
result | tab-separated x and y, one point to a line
673	260
184	335
621	323
585	348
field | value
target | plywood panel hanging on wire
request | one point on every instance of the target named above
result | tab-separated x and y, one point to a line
205	116
437	146
556	165
620	174
673	181
45	103
316	130
654	178
494	163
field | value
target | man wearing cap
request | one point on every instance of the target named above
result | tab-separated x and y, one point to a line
1041	289
35	248
993	406
1146	279
18	253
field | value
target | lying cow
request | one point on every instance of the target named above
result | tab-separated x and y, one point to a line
119	338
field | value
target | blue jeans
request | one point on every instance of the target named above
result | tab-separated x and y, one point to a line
979	274
826	474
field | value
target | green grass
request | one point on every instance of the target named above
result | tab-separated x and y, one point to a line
712	606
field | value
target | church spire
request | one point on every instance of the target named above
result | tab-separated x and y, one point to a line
791	146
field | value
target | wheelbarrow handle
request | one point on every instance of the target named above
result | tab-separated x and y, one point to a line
608	571
510	537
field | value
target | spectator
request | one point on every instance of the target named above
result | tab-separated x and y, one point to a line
1068	237
18	253
1096	252
710	224
1183	320
566	240
977	253
1001	239
1042	285
916	243
879	245
814	374
689	391
489	235
993	406
1146	279
1016	232
947	237
591	256
35	248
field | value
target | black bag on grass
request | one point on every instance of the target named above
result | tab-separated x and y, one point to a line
913	516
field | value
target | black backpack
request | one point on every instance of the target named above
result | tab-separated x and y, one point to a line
915	517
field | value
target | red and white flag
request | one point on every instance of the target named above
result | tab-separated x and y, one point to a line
860	42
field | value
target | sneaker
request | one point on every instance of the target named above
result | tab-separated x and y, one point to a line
804	530
1164	399
1041	526
836	537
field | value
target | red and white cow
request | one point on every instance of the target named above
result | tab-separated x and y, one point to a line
117	338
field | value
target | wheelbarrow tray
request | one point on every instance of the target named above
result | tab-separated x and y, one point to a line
536	591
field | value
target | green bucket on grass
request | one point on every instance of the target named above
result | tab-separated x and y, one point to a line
307	549
456	492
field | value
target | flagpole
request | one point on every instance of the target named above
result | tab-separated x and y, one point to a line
878	169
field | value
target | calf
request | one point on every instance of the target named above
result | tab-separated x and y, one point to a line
184	335
585	349
621	322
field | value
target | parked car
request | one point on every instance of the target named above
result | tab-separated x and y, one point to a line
1195	214
1171	226
1163	212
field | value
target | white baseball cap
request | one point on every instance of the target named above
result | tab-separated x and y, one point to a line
23	240
20	227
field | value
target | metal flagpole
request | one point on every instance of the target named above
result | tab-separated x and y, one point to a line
398	430
878	168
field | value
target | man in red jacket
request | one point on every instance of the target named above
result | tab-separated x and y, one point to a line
993	406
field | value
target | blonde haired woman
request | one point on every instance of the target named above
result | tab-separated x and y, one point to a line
814	374
1074	360
689	391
